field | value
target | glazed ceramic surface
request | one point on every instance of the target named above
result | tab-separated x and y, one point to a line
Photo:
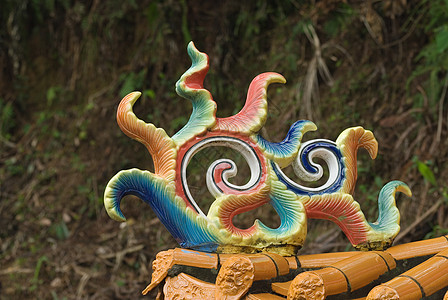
166	189
395	273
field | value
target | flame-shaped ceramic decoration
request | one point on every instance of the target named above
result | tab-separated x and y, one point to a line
167	192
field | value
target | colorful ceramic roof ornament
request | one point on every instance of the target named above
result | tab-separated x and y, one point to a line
265	265
166	189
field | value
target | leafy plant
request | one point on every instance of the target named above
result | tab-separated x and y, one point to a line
436	232
132	82
7	121
60	230
433	57
425	171
35	282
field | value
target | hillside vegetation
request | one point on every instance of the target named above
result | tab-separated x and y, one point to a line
66	64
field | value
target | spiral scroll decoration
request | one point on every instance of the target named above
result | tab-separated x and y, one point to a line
166	189
307	170
221	170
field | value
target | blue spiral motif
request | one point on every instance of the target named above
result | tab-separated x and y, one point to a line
309	166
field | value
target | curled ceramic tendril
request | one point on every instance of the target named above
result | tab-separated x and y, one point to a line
166	189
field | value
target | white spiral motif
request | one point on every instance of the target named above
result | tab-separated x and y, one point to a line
249	154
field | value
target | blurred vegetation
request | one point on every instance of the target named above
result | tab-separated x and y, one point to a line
66	64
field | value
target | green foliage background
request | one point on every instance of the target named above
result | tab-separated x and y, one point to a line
66	64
